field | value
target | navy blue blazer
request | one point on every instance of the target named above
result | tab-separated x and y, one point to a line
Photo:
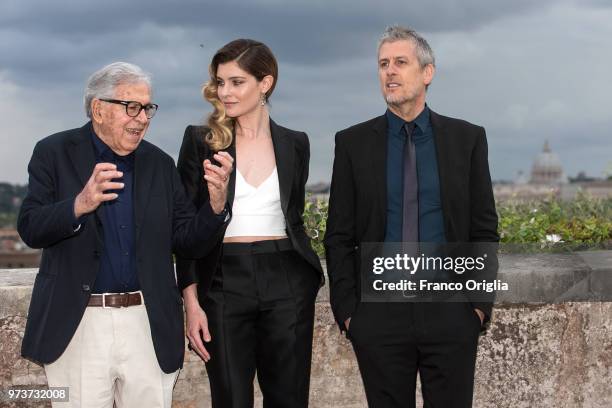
165	221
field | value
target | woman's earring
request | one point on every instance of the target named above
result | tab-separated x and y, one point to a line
263	99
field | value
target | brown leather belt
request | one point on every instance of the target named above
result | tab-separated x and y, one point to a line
115	299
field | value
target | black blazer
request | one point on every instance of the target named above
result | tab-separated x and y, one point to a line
292	153
165	219
358	198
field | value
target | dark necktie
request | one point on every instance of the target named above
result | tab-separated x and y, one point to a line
410	219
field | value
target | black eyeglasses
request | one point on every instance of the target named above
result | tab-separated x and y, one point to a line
133	108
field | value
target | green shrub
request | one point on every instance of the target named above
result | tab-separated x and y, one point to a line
584	220
315	222
581	223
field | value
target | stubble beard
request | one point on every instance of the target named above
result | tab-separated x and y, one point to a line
398	101
402	101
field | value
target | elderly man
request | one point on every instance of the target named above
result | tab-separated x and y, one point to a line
109	209
410	175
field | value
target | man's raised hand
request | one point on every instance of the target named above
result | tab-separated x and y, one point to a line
94	193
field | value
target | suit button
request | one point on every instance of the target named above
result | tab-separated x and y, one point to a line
85	288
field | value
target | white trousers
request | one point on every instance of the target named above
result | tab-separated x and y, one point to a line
111	360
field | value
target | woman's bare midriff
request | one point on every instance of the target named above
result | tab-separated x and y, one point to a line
252	239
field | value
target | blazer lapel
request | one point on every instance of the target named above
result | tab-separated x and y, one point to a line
143	177
284	152
231	187
82	154
83	158
377	152
443	154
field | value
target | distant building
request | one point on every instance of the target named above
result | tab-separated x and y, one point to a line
594	188
318	190
14	253
547	168
16	260
582	177
548	179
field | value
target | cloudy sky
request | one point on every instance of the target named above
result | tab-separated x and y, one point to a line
526	70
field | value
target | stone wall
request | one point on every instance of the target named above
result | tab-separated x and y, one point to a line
534	355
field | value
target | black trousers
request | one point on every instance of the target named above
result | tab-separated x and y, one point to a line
394	341
260	312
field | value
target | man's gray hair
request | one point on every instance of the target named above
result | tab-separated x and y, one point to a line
424	52
102	83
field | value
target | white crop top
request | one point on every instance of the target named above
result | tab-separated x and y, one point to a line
257	211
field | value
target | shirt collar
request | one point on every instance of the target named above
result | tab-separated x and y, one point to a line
395	123
422	120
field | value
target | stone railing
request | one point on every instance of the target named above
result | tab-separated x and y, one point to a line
553	354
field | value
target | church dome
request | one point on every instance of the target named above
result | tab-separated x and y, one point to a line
547	167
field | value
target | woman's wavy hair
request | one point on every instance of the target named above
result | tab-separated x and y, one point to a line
253	57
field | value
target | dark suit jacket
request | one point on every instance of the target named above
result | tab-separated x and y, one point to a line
357	204
164	218
292	153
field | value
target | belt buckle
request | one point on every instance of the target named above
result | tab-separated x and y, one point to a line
104	300
123	294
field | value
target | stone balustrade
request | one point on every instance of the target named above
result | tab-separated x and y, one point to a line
557	353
